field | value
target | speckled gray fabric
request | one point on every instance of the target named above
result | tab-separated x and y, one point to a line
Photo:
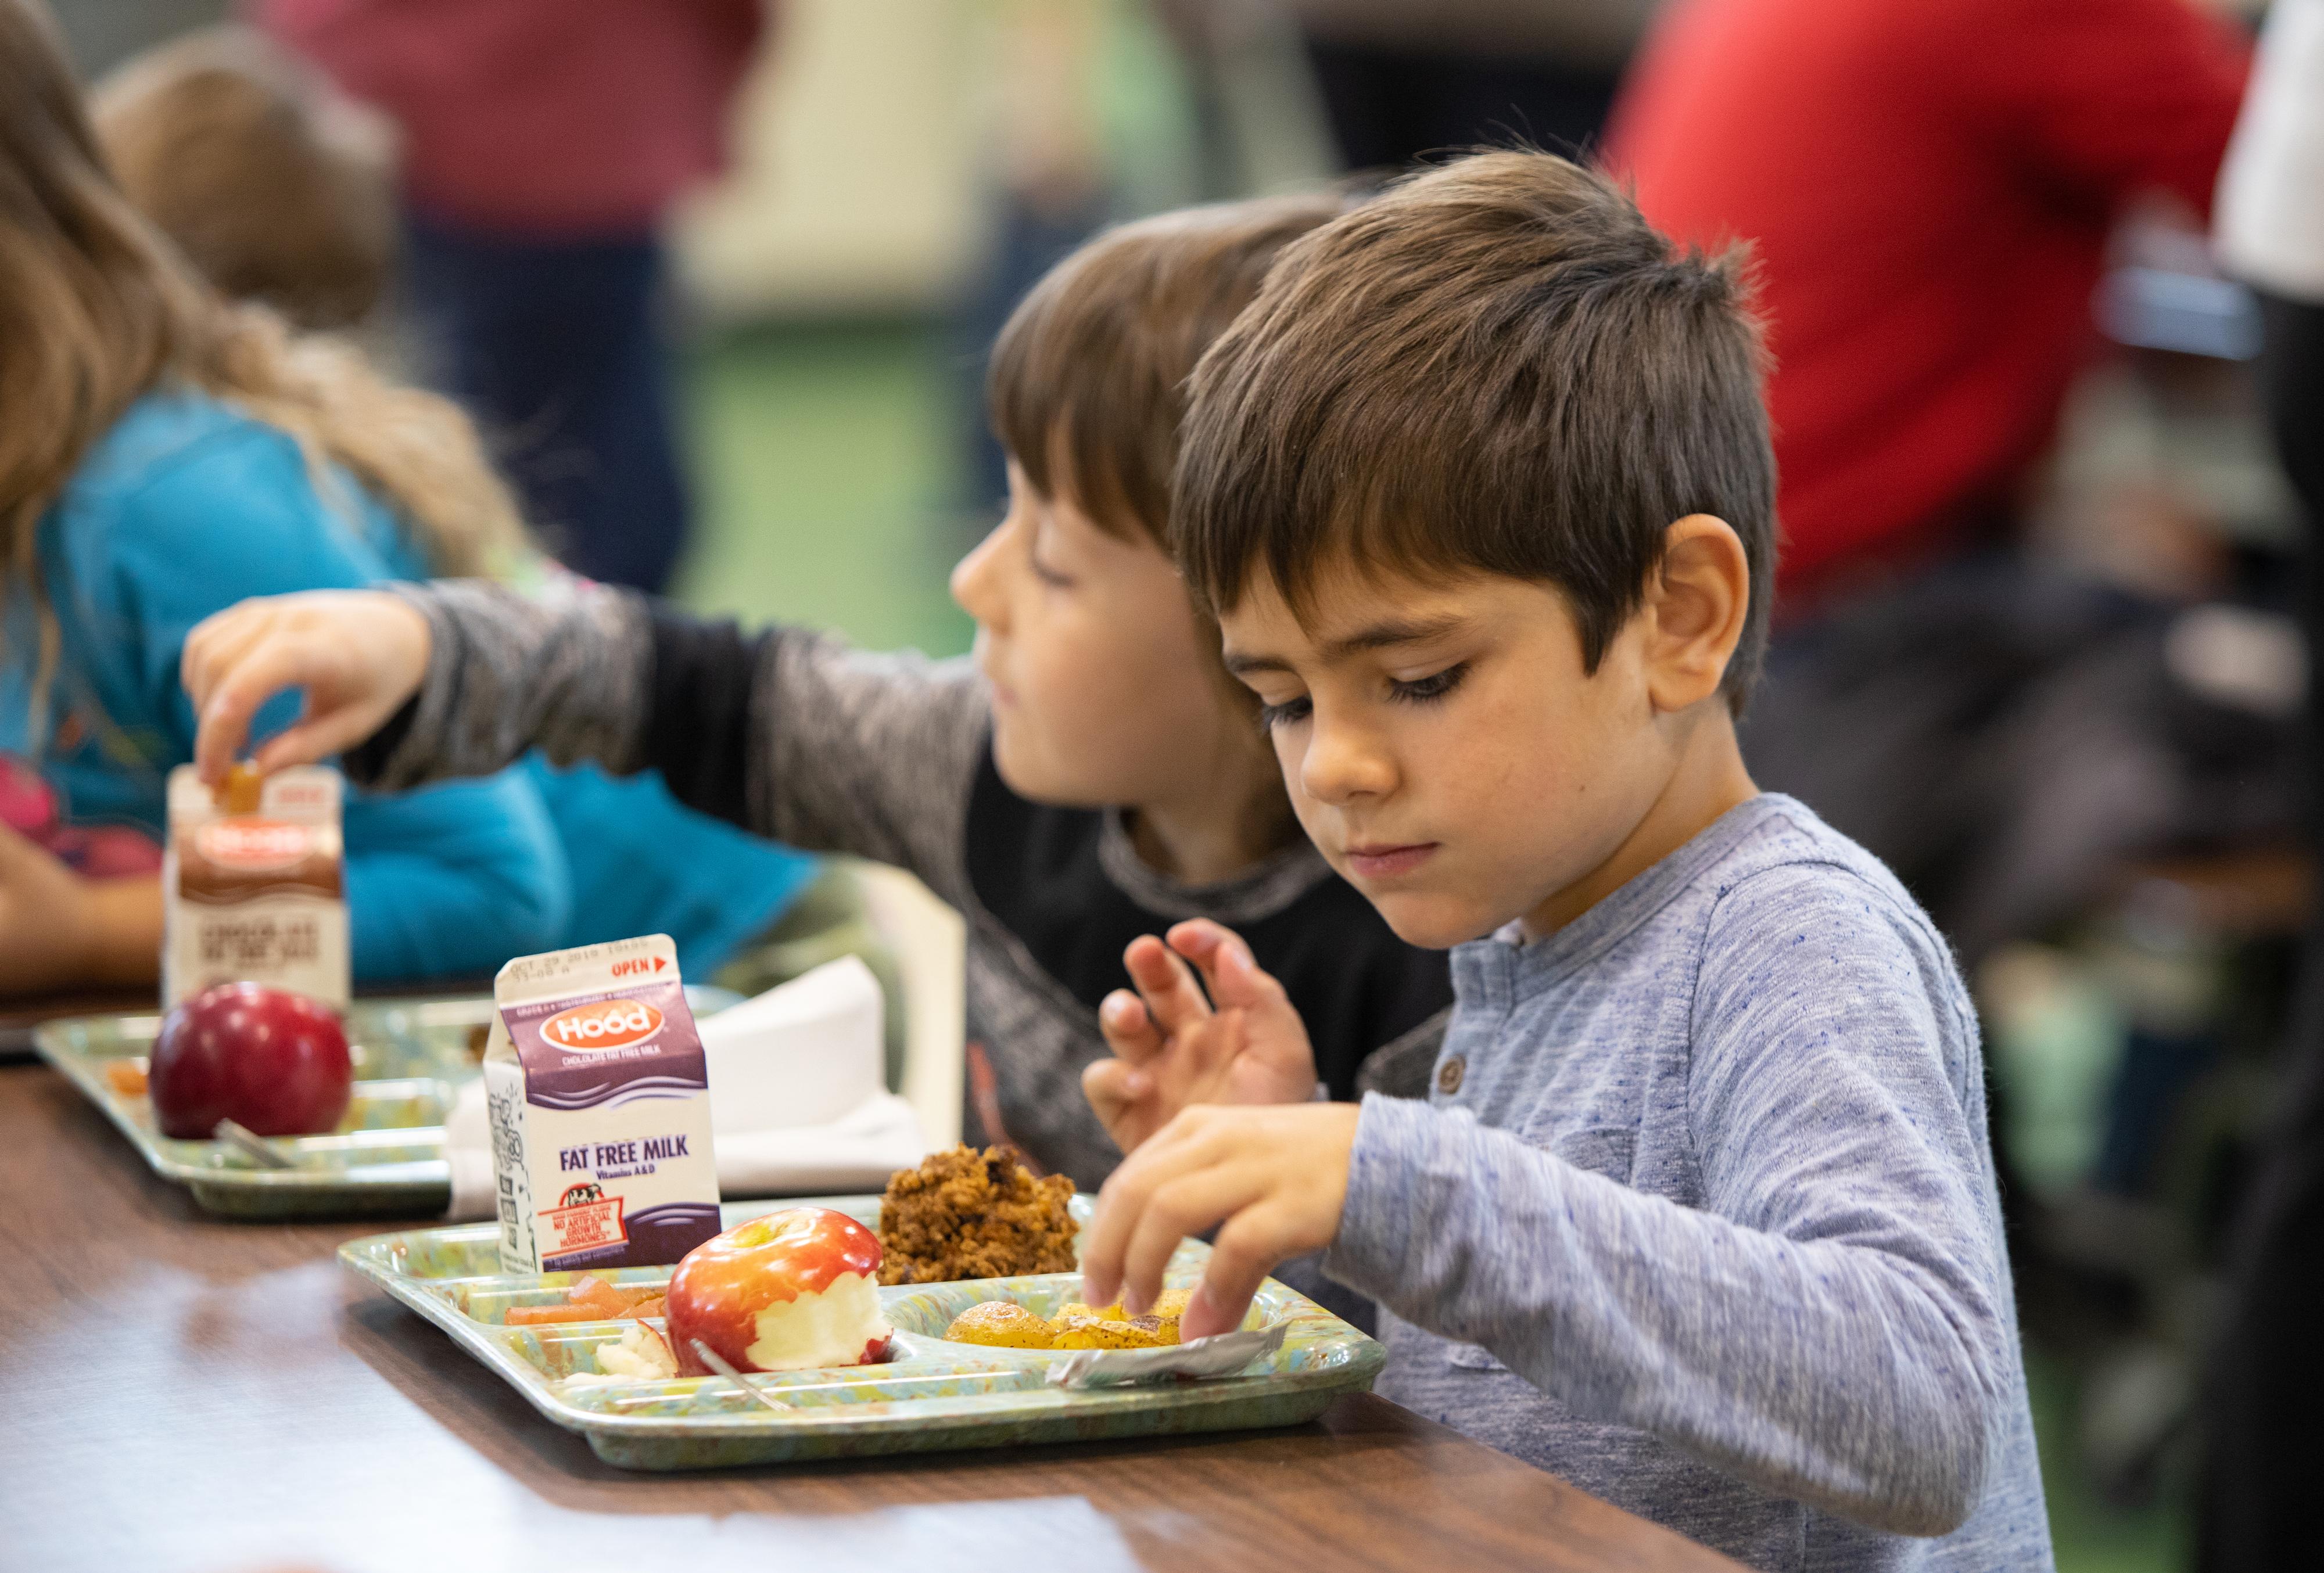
1700	1215
558	671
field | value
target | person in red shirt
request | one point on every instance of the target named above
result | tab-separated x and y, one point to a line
542	145
1930	186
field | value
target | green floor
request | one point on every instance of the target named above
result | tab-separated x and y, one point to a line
2092	1536
827	478
828	465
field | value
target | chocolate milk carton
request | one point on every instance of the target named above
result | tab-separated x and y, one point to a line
599	1100
252	885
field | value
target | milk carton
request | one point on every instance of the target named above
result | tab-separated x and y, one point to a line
252	885
599	1100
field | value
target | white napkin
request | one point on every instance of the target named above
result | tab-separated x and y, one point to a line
806	1054
797	1105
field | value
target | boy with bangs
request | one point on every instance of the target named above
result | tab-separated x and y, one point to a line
1093	774
1701	1212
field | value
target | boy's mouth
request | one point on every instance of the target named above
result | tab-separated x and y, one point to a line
1003	696
1388	860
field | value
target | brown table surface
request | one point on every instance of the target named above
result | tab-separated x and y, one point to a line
183	1393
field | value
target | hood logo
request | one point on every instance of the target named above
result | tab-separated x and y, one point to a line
609	1024
255	843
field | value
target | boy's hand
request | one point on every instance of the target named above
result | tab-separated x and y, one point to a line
358	654
1173	1049
1273	1179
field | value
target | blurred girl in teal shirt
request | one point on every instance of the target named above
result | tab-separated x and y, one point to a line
164	454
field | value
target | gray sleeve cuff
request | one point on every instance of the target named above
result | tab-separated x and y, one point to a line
1380	1226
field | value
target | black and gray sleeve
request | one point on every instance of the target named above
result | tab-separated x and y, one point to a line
786	732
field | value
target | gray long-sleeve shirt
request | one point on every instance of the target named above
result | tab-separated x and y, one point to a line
1702	1215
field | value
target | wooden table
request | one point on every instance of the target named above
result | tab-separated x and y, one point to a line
181	1393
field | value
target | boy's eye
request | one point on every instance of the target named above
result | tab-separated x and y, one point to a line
1271	716
1420	689
1033	560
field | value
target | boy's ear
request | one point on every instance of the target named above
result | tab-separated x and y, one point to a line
1698	603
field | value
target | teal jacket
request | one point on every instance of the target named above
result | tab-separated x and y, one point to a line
185	507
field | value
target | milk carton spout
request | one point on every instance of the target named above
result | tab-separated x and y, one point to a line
599	1100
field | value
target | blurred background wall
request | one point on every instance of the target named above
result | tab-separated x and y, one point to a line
855	97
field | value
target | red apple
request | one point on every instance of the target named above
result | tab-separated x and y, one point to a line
789	1292
265	1058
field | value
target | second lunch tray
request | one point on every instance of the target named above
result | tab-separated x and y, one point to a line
932	1394
386	1157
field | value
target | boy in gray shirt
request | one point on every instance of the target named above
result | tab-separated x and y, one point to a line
1700	1211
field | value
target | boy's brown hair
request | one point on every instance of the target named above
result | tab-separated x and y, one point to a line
1497	365
1087	385
275	186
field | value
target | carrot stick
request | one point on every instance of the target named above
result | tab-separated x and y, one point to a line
543	1315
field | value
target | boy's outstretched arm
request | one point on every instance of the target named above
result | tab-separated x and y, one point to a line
418	682
782	732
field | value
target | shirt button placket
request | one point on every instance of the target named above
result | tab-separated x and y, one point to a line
1449	1075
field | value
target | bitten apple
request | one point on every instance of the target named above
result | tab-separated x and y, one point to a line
272	1060
790	1291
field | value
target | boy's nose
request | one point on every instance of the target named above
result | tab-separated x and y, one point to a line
1341	765
972	578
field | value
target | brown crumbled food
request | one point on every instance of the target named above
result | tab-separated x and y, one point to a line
967	1214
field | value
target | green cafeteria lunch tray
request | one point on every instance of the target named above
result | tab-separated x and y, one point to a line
933	1395
387	1156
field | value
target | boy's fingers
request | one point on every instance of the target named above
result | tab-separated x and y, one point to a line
1249	1247
1187	1205
310	740
1113	1089
1214	1046
1235	978
1122	1200
1230	971
1128	1028
1108	1233
1100	1277
1165	983
218	736
1197	937
237	697
1116	1082
210	649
